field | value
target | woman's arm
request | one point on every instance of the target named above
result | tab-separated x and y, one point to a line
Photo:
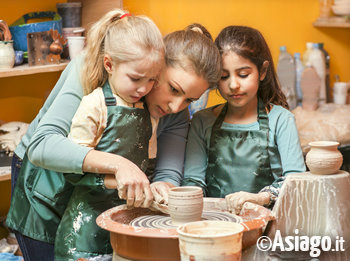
196	159
171	142
49	147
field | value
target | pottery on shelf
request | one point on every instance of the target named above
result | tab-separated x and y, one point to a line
185	204
324	157
7	53
210	240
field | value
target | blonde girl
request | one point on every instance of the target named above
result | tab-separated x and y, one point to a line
122	60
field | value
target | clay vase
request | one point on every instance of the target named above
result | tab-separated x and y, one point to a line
7	54
324	157
210	240
185	204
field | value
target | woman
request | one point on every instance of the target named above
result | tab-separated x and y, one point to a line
192	65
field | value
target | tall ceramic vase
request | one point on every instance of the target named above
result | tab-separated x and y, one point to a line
324	157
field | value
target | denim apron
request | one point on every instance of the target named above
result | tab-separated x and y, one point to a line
127	134
238	160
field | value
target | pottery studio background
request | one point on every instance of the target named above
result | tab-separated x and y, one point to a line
287	22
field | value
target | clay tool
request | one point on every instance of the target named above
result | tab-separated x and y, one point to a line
155	206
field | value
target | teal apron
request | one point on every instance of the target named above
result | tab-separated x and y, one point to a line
238	160
127	134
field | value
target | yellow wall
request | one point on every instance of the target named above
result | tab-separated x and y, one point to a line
287	22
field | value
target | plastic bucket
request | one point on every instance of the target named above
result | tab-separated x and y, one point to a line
20	27
210	240
70	13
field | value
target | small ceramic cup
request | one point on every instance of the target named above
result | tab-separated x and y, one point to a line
185	204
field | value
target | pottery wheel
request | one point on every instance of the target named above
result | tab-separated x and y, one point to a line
161	221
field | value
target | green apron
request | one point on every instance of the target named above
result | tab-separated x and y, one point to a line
238	160
127	134
38	203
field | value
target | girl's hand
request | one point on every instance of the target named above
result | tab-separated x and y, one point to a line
160	190
236	200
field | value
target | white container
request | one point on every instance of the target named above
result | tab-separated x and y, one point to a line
7	54
75	45
287	76
340	92
210	240
307	52
317	60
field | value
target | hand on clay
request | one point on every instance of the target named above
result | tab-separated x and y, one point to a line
133	185
160	190
236	200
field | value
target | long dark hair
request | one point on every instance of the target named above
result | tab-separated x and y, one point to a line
250	44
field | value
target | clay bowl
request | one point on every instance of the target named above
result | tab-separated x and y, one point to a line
162	244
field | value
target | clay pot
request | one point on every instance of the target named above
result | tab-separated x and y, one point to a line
185	204
210	240
7	54
324	157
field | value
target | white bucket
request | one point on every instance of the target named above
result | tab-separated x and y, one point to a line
210	241
75	45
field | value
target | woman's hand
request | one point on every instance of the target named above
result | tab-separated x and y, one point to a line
131	182
236	200
160	190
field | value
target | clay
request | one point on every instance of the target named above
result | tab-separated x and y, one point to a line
185	204
310	85
162	221
210	240
324	157
317	205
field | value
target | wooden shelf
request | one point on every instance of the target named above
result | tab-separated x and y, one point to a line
334	21
4	177
25	69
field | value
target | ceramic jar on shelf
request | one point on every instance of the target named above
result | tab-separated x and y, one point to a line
7	54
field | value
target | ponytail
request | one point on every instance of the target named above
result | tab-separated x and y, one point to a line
124	40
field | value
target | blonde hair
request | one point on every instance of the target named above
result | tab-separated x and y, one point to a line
124	40
193	50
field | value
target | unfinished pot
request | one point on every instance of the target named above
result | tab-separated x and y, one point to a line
185	204
324	157
153	244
